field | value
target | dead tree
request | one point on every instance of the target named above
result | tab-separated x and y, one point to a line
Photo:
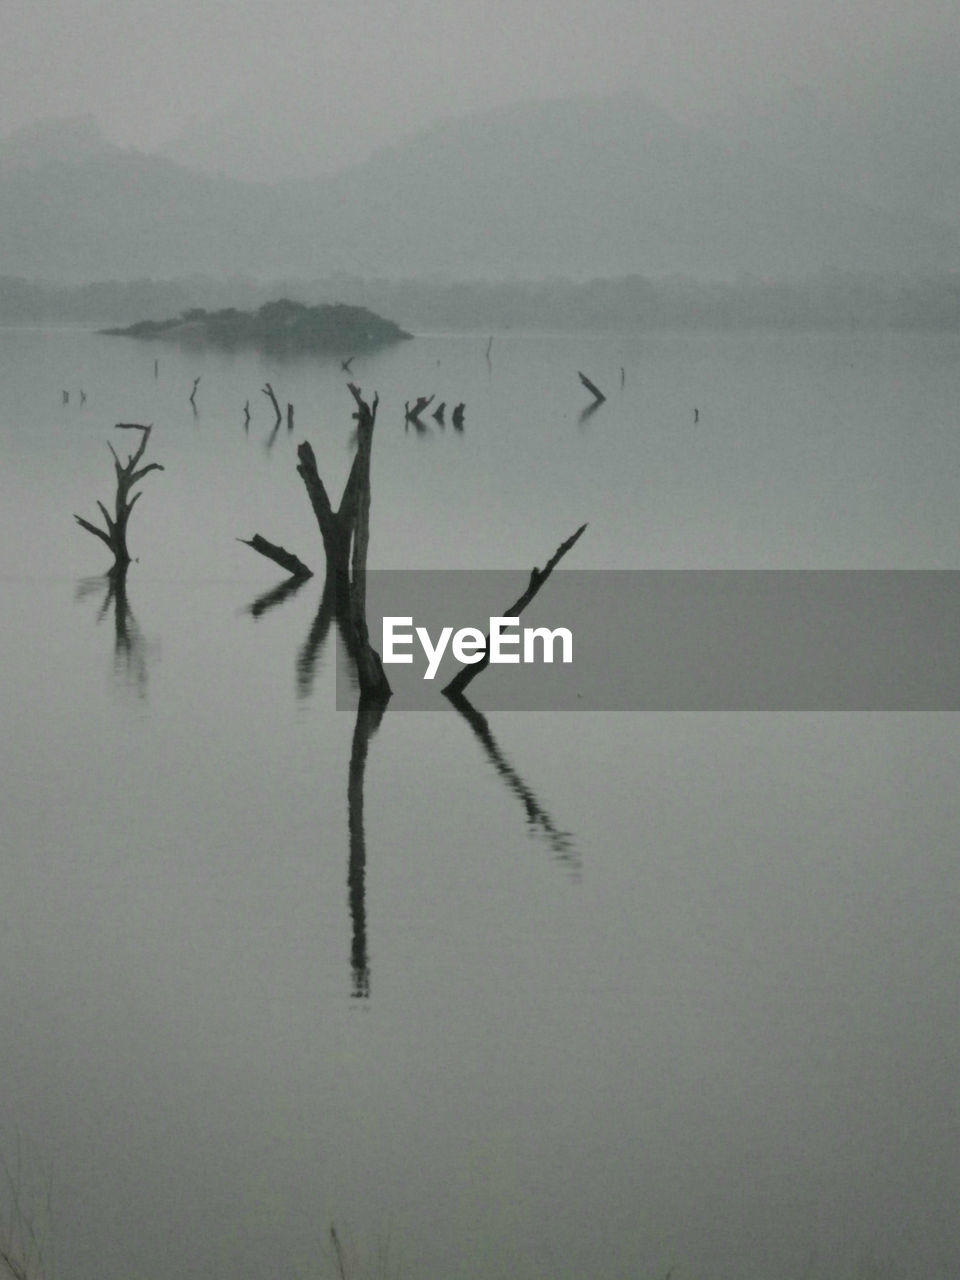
289	416
269	393
346	536
246	416
592	387
413	415
457	418
193	393
439	411
537	578
115	532
345	364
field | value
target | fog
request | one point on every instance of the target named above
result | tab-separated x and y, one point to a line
651	995
298	87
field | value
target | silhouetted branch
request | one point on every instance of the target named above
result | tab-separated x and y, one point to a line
345	528
537	578
115	534
269	393
316	491
280	555
592	388
422	403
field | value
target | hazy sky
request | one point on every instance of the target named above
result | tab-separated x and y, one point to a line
364	71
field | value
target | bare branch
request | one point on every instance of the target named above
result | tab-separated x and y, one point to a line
280	555
135	458
594	390
269	393
111	525
92	528
537	578
151	466
307	470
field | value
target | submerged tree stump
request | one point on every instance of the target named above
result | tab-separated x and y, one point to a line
269	392
346	536
592	387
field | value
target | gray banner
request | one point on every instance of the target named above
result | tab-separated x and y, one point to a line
684	640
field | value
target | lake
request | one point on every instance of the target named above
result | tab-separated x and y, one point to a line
596	996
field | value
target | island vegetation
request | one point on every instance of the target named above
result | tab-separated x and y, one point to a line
279	326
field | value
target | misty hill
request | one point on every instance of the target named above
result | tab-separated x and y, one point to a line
276	326
575	188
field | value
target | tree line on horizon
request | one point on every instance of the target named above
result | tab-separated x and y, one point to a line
829	299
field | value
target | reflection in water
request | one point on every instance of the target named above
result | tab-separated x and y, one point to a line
129	646
369	714
289	587
539	821
587	413
312	647
370	711
272	437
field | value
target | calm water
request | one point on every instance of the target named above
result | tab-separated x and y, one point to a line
614	994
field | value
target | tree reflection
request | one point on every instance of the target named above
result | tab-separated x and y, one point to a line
539	822
334	607
369	714
129	646
275	596
345	534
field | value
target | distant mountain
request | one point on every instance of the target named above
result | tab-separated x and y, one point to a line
56	140
574	188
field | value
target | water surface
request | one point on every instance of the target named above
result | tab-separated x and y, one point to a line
594	995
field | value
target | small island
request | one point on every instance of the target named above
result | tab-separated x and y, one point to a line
281	326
